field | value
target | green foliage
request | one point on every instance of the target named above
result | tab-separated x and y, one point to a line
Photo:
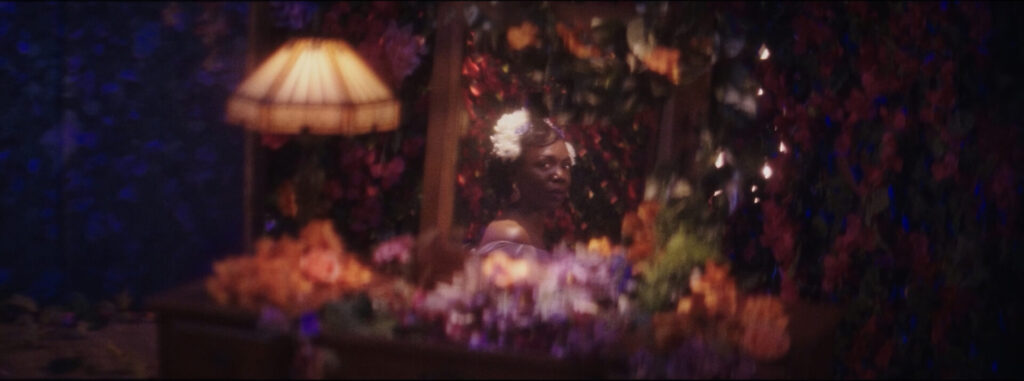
668	275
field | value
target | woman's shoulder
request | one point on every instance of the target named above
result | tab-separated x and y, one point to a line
505	230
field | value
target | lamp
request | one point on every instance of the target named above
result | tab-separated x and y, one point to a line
313	86
317	84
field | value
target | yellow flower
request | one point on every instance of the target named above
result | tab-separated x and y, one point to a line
600	245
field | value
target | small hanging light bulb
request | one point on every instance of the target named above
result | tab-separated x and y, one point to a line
764	53
782	147
717	192
760	91
753	188
757	200
720	160
766	171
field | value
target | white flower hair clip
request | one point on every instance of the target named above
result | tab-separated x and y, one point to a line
507	132
510	129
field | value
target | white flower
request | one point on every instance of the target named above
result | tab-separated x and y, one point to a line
572	153
507	132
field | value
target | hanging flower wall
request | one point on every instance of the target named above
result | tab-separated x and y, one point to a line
881	186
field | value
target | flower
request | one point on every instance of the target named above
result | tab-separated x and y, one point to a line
286	202
765	324
664	61
507	132
292	274
577	48
321	266
519	37
398	249
943	169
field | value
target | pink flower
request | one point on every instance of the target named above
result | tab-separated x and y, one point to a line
389	173
396	249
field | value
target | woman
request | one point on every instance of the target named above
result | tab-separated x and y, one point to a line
531	172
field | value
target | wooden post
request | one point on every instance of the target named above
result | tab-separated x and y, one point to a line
445	120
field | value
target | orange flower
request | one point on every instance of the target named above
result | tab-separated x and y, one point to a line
319	234
286	200
663	61
577	48
295	275
519	37
717	288
765	323
639	227
505	271
600	245
321	266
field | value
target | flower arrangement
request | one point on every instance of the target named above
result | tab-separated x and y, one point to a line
714	315
573	303
294	275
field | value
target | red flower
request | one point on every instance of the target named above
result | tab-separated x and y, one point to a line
858	106
789	292
835	267
778	232
945	168
884	355
274	141
888	153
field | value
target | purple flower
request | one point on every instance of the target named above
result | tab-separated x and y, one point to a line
309	325
398	249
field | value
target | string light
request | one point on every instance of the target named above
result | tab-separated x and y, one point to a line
764	53
760	91
753	188
757	200
766	171
782	147
717	192
720	160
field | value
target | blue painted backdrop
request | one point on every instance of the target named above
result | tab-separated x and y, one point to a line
118	173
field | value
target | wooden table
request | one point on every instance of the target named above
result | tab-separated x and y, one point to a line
201	339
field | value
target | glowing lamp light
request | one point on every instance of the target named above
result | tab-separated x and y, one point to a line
319	84
717	192
753	188
782	147
766	171
760	91
720	160
757	200
764	53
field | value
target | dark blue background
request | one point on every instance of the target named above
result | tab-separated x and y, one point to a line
118	173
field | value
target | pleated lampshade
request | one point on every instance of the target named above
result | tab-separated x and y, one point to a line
318	84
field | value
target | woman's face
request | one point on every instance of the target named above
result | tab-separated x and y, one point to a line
543	178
